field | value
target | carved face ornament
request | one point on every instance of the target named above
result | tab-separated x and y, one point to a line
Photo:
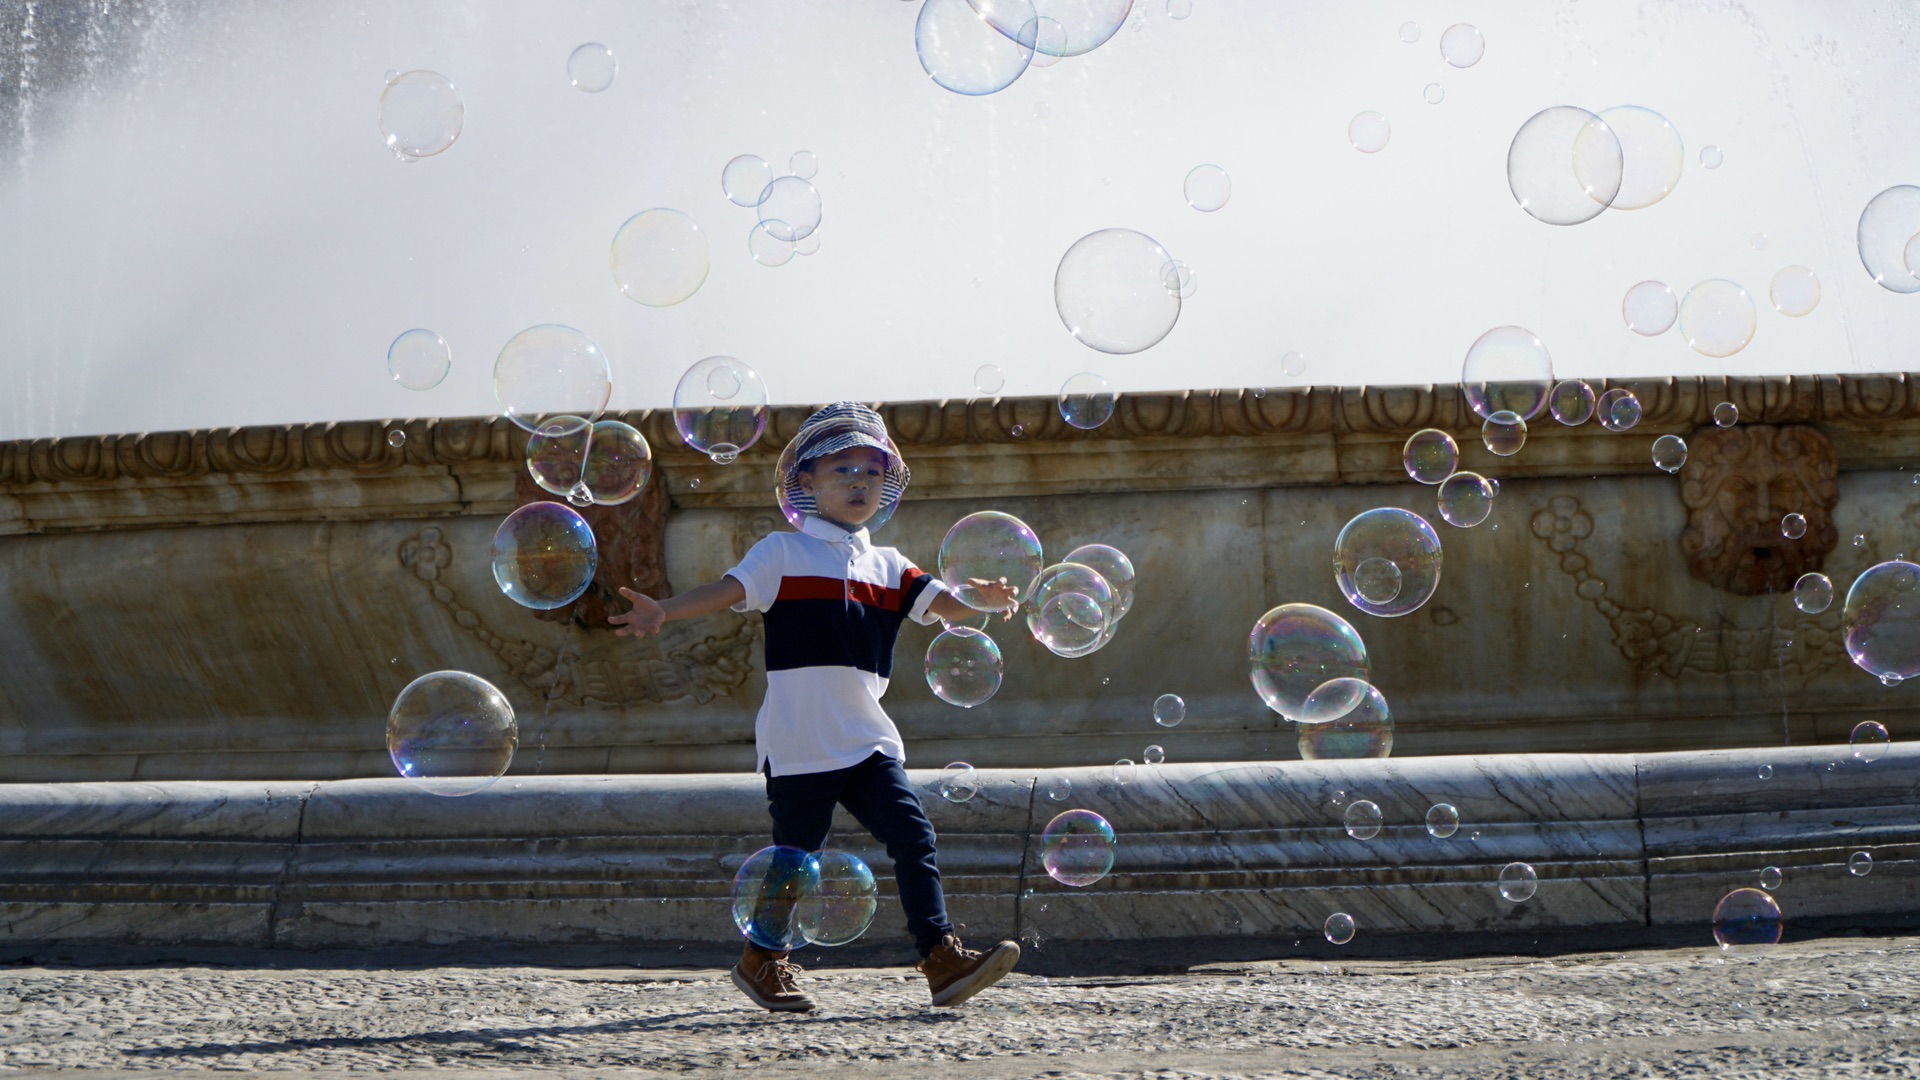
1737	485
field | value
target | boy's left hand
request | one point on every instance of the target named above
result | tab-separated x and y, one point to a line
1003	596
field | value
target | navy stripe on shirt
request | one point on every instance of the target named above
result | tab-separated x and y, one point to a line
832	622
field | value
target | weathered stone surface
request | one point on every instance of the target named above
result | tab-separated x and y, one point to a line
1208	854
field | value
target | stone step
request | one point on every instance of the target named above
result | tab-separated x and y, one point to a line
1217	855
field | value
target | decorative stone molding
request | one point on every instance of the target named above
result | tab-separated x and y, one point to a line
1738	483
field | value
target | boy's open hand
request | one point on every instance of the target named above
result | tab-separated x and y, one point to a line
1002	596
645	617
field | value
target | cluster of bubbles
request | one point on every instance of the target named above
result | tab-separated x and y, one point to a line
786	207
784	897
978	47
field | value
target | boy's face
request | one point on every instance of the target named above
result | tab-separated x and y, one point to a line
847	486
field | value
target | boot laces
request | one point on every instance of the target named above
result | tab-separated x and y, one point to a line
784	973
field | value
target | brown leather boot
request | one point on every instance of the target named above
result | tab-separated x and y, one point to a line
956	973
767	978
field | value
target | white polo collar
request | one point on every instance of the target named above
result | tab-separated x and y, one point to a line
821	529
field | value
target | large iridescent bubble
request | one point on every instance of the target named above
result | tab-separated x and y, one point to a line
1362	729
544	555
768	891
451	733
1881	621
1295	648
720	408
1070	609
989	546
548	371
1113	565
1064	27
1111	294
420	114
659	257
1565	165
1387	561
964	667
1507	368
842	904
619	463
1077	848
973	52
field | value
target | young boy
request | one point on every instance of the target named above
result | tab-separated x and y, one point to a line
833	604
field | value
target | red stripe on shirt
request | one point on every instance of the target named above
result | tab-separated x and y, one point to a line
826	588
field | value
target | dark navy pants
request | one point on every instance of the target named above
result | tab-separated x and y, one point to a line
878	796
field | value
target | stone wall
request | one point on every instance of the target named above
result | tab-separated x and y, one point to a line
246	603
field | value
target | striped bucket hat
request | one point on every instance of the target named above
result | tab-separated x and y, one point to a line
842	425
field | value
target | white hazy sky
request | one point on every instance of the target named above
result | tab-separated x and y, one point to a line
212	233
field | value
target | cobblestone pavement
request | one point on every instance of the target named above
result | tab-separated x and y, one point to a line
1832	1007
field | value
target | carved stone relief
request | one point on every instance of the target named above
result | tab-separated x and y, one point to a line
1660	643
632	541
601	670
1737	484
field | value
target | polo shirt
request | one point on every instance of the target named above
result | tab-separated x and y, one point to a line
832	603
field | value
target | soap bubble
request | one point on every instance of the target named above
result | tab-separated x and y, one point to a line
1363	819
1881	620
420	114
988	379
1711	157
1405	543
451	733
720	408
767	893
1746	918
1565	165
619	463
1058	786
1180	279
1179	9
1066	27
1208	188
790	209
1409	32
591	67
1434	94
1860	864
990	546
1109	293
1077	848
1154	754
1504	433
1369	131
1295	648
1717	318
1890	219
1070	609
659	257
803	164
557	454
1770	877
1293	364
959	782
1462	45
1765	772
1443	820
1793	526
396	438
842	904
961	51
1650	308
767	249
1465	500
1726	414
745	178
1518	882
1113	565
1653	155
419	359
1430	455
1869	741
1618	409
1813	593
1507	368
544	556
964	667
1364	730
1571	402
1338	928
808	244
1795	291
1169	710
1049	39
1123	771
551	370
1086	401
1859	540
1669	453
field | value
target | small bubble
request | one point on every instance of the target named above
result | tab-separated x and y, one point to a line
1770	878
1759	241
1859	540
1766	772
694	483
1434	93
1860	864
1711	157
1042	109
396	438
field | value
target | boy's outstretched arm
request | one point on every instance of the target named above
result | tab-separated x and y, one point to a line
648	615
1003	596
